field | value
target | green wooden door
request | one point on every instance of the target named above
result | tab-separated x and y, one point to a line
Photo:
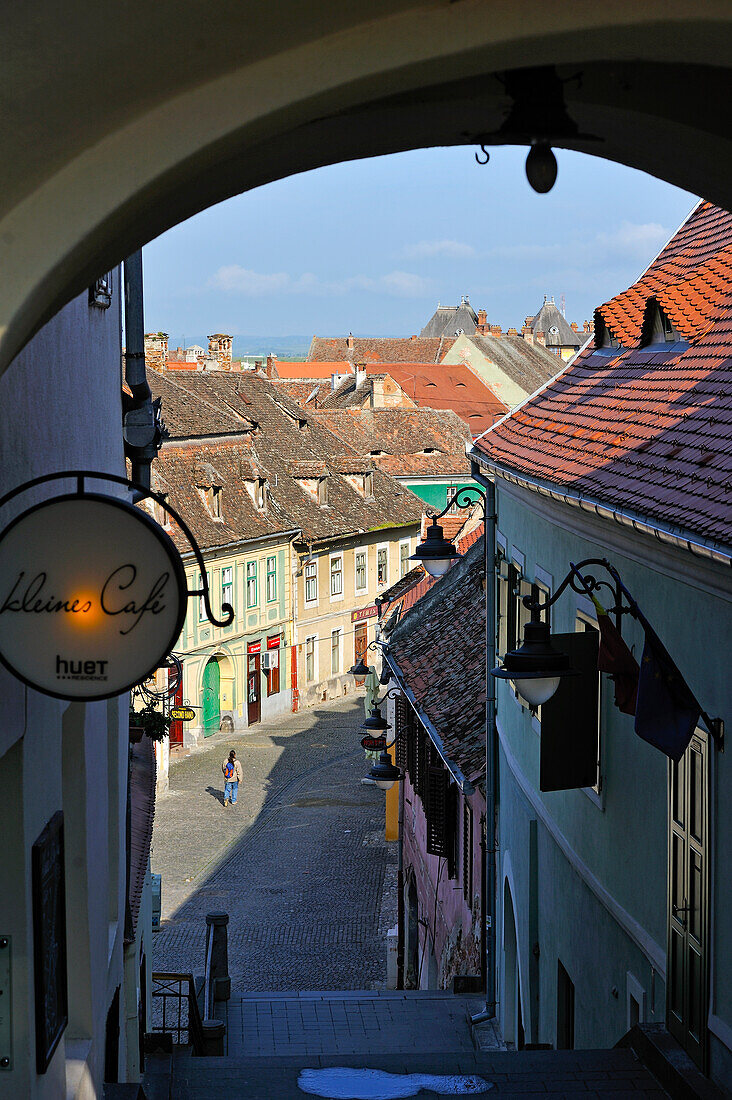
211	698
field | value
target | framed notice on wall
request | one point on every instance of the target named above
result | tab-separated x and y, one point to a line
49	939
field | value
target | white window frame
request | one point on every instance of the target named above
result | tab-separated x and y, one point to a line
596	793
314	563
255	578
365	587
227	585
408	544
339	632
385	547
202	617
314	639
338	596
271	573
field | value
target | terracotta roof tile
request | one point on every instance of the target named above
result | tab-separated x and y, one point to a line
380	349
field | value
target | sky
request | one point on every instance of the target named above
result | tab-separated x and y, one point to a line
372	246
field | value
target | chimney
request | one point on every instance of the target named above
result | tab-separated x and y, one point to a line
495	330
528	321
219	348
412	337
574	326
587	327
349	341
482	321
156	350
512	332
541	338
270	371
527	334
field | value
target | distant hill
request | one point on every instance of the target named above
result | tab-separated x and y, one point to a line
284	347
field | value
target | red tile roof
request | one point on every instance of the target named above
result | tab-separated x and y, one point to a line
648	430
447	386
320	369
380	349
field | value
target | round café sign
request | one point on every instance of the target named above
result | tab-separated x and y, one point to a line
92	596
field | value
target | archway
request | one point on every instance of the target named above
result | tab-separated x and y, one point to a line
513	1030
217	691
191	116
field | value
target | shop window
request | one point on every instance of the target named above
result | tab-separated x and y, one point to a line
272	671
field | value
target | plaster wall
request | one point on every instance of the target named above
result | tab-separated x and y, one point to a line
615	843
60	408
505	389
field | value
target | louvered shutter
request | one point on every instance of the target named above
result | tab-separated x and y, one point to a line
451	829
467	852
437	811
412	753
402	732
569	731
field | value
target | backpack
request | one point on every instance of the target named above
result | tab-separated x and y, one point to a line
228	770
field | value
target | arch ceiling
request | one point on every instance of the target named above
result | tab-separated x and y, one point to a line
117	122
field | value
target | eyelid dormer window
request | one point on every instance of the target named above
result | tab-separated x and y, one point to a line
212	498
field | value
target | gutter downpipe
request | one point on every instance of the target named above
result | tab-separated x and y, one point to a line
140	429
491	751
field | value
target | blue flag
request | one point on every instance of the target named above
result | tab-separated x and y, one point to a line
667	712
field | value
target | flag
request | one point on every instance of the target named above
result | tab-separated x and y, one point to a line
667	712
615	658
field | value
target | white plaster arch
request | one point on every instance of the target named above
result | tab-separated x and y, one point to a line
114	131
508	882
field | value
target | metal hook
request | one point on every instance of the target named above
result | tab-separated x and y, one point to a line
485	153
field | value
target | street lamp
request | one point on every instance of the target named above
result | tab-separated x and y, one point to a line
375	724
435	552
536	667
384	773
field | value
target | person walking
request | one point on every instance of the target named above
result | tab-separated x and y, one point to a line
233	776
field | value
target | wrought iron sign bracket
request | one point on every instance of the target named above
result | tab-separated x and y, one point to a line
587	584
141	492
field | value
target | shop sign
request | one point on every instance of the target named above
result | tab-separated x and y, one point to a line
274	643
376	744
182	714
365	613
254	647
92	596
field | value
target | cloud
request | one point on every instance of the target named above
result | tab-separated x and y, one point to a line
629	243
633	241
427	250
234	279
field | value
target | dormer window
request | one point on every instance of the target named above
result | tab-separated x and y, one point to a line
159	513
212	498
362	483
322	491
257	489
658	328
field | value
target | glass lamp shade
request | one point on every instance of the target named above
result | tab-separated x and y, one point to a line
536	667
541	167
385	774
536	691
435	552
375	723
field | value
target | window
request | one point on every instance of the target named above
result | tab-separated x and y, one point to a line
201	602
382	565
251	584
583	624
100	292
403	558
273	672
227	585
271	579
322	491
450	493
335	652
159	513
336	575
311	582
212	499
565	1009
361	582
261	494
310	658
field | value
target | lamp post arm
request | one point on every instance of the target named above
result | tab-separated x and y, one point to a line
468	501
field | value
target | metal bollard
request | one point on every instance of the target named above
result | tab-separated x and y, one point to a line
216	928
213	1038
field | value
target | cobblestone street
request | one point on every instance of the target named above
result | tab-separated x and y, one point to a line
300	864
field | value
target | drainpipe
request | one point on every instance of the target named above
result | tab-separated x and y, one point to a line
491	752
141	428
400	893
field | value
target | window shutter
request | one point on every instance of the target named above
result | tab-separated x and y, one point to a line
569	719
437	811
452	830
467	852
503	600
412	753
402	732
